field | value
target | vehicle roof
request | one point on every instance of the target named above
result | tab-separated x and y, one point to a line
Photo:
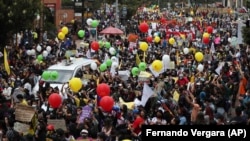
76	62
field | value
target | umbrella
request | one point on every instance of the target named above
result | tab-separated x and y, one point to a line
111	30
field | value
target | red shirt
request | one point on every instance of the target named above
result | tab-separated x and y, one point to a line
182	81
137	124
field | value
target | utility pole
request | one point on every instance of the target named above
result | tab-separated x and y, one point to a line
83	11
117	12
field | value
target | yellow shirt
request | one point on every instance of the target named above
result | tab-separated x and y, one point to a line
77	100
192	79
24	102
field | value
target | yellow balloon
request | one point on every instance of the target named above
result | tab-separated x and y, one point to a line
198	56
157	39
206	35
144	46
61	35
65	30
171	41
157	65
75	84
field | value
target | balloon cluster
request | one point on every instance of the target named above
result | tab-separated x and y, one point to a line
52	75
106	101
206	35
63	32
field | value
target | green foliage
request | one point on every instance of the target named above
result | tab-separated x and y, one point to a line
246	35
16	15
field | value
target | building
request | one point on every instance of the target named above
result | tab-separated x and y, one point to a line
60	15
233	3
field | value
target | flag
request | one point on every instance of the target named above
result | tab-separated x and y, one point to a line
144	56
88	54
137	60
6	63
97	81
146	94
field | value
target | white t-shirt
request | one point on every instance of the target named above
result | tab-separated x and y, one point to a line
158	122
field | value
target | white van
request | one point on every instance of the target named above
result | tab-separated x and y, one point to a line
66	71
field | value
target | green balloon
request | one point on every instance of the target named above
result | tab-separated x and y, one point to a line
135	71
103	67
46	75
109	62
100	43
40	57
107	44
53	75
94	23
81	33
142	66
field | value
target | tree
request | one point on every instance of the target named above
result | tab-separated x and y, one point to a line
246	34
16	15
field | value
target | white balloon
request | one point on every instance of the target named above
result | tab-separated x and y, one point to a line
112	51
33	52
38	48
156	34
28	52
114	59
166	58
114	65
229	40
186	50
48	48
45	53
93	66
200	68
89	21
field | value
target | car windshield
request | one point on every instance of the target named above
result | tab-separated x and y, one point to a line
63	76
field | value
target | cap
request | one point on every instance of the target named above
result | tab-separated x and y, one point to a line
84	131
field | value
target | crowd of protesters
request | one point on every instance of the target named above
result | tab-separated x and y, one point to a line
217	95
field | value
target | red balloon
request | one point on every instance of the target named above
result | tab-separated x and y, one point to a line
149	39
107	103
103	90
143	27
206	40
55	100
210	29
95	45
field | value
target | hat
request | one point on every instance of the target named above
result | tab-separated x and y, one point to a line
84	131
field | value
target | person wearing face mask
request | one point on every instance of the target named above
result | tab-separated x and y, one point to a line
182	80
